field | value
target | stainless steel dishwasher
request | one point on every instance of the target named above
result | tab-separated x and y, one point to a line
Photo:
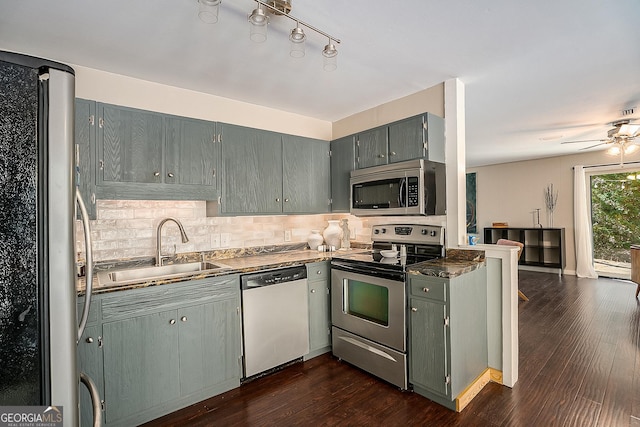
275	318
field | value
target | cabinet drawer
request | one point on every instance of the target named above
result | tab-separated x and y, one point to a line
435	289
136	302
318	271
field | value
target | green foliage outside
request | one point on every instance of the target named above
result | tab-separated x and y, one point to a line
615	210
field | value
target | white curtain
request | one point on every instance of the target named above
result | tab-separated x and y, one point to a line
583	235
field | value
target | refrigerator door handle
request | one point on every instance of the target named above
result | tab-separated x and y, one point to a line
89	263
95	398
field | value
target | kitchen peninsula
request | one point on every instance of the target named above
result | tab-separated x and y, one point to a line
129	321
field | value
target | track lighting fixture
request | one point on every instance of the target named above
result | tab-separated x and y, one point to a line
297	38
259	20
208	10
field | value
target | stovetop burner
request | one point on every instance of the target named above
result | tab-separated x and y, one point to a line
421	242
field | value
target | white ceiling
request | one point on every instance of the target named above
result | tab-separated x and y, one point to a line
536	73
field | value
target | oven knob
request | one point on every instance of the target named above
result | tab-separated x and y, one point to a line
376	231
433	233
384	230
424	231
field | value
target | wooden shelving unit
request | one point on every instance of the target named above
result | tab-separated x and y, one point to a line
543	247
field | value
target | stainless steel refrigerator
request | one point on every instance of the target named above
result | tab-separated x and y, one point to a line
38	327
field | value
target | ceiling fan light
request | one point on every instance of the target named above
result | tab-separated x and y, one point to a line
614	150
630	148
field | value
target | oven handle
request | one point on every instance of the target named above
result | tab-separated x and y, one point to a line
401	201
345	294
372	271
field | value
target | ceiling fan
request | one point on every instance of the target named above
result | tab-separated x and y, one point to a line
621	138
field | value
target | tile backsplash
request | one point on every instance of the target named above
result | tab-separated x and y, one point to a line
127	228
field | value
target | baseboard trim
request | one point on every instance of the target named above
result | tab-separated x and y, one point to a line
472	390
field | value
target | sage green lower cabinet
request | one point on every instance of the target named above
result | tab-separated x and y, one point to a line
90	361
166	347
448	334
318	276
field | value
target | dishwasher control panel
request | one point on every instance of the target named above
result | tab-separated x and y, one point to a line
273	277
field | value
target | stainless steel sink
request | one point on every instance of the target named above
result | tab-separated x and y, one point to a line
164	271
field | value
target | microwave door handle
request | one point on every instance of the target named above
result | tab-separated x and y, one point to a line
401	201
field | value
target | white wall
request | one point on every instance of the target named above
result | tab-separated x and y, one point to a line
511	191
130	92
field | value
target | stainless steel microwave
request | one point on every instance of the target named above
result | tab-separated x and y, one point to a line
414	187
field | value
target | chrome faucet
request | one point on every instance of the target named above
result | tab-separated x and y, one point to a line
185	239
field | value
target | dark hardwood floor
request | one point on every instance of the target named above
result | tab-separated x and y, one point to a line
579	366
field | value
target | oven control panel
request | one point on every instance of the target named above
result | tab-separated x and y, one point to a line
408	233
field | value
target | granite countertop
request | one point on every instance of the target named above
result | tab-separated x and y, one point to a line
241	261
238	261
456	263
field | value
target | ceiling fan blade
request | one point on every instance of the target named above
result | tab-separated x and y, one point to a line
585	140
592	146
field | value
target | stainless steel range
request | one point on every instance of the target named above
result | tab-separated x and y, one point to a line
369	299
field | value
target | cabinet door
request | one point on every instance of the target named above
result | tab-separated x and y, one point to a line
306	181
342	163
434	137
428	353
406	139
141	363
129	145
209	345
85	137
190	152
252	167
319	315
372	147
90	362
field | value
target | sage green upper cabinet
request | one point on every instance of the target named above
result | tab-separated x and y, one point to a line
372	147
252	168
129	145
342	163
269	173
306	178
85	140
417	137
147	155
190	153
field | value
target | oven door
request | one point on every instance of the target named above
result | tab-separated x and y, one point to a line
369	306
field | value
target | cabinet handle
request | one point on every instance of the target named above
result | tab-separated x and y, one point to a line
170	175
381	156
156	174
286	200
89	340
172	321
277	199
214	172
393	153
425	289
313	291
414	309
183	319
319	272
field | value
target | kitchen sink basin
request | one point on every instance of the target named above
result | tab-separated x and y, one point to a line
161	272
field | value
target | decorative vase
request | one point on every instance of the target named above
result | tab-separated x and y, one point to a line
550	217
345	243
314	239
332	234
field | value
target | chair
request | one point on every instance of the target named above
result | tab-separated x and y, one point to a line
506	242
